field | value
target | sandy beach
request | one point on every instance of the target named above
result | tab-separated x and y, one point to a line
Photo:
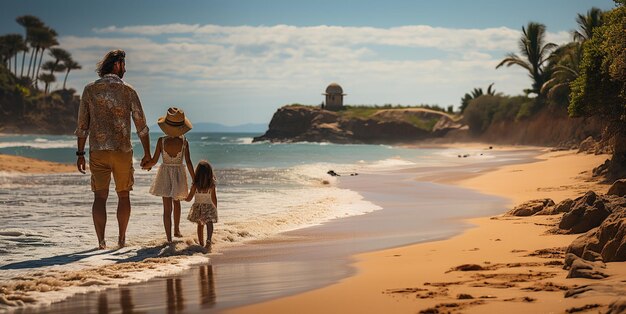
11	163
522	263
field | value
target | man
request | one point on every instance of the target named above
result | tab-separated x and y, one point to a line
104	116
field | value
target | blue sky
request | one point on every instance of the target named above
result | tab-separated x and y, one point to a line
236	62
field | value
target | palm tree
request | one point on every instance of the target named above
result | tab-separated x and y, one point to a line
566	60
535	52
48	40
36	36
477	92
47	79
11	45
28	22
587	23
69	66
58	54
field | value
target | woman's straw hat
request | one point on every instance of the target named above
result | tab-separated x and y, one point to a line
174	123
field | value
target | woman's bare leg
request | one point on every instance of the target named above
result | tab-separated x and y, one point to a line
167	217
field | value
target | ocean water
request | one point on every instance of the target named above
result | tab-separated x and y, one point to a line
263	189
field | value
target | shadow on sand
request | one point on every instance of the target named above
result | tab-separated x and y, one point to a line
54	260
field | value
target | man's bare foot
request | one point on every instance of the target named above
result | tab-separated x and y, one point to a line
178	234
121	243
207	246
102	245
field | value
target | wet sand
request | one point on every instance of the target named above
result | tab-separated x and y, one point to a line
413	211
520	261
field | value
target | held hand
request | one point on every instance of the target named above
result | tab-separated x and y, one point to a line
145	162
80	164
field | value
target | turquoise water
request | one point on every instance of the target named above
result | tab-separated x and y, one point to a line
224	150
263	189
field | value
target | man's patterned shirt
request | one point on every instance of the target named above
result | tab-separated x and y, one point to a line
105	111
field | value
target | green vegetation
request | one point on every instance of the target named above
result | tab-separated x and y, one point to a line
488	109
25	104
586	76
477	92
600	88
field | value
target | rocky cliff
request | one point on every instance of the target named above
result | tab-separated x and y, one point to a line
406	125
312	124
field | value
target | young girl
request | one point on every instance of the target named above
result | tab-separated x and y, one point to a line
171	180
204	208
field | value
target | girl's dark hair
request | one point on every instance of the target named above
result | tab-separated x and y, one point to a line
105	66
204	178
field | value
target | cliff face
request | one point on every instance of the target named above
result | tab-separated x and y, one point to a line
546	128
300	123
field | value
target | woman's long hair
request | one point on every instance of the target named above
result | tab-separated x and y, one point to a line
204	178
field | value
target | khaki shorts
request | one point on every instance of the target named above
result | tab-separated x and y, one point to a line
103	162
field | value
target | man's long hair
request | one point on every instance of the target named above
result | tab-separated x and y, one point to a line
105	66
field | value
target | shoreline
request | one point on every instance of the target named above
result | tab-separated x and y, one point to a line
346	269
417	277
318	256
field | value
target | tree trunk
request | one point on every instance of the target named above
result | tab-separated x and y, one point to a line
30	63
40	59
66	74
23	59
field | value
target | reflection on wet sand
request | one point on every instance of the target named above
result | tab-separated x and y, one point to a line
126	301
207	286
103	304
175	298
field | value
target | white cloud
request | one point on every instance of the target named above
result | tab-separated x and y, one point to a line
260	68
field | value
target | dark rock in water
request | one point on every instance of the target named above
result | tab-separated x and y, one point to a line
587	212
530	208
618	188
562	207
354	174
617	307
333	173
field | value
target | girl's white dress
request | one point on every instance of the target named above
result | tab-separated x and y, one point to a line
171	178
203	211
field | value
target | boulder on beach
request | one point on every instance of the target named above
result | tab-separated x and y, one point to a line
563	207
608	240
587	212
618	188
580	268
531	207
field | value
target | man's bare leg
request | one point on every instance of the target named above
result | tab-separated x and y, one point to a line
99	215
123	215
177	219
